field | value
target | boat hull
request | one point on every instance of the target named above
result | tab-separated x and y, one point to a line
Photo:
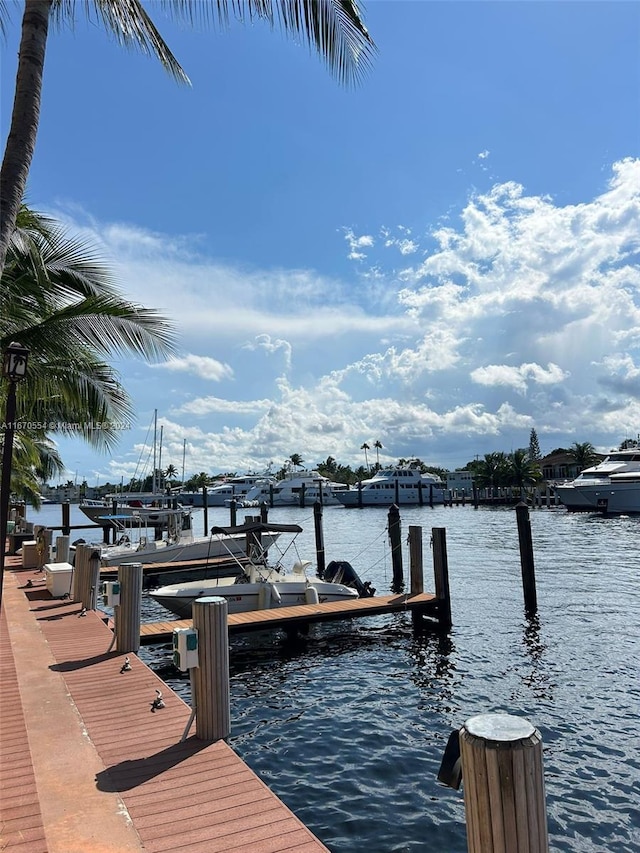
161	552
388	496
245	597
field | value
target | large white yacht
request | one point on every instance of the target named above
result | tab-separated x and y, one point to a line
221	493
298	488
616	471
403	485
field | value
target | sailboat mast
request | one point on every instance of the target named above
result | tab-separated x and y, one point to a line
155	439
160	459
184	450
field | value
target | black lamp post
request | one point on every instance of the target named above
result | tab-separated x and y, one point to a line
14	368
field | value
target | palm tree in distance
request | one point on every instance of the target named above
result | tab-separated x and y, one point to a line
366	447
58	300
170	473
583	454
334	28
296	460
378	447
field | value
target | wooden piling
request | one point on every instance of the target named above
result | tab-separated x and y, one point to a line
205	511
211	676
62	548
233	512
441	576
303	489
395	539
503	785
127	613
66	519
415	559
264	513
79	579
317	520
86	576
526	558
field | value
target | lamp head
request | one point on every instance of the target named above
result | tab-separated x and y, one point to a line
14	366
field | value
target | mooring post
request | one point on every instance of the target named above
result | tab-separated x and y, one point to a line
503	781
90	590
441	576
475	495
271	494
211	676
360	493
415	559
395	539
62	549
264	513
233	512
79	581
526	558
205	511
127	613
66	518
317	520
303	489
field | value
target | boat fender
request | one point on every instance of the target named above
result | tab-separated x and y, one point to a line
275	595
264	596
311	595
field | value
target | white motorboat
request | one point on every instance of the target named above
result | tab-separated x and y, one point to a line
231	488
262	587
298	488
583	493
132	545
619	496
258	586
403	485
155	507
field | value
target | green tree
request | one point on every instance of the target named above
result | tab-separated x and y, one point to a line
378	446
493	470
583	454
171	472
523	470
365	447
60	301
296	460
332	27
534	446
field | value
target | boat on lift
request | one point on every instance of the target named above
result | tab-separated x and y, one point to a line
258	586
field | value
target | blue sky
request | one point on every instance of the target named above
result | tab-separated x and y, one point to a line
439	259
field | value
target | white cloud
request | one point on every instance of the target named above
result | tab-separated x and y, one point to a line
520	312
198	365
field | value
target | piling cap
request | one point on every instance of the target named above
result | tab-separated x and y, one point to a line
499	727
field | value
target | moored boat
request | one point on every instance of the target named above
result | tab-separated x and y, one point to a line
402	485
582	493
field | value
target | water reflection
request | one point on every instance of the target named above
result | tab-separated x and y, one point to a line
537	679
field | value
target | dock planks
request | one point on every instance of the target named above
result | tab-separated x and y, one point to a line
127	780
304	614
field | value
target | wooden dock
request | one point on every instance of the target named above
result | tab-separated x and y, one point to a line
86	764
302	615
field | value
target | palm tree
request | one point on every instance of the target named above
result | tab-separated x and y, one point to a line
524	471
171	472
60	302
333	27
366	447
378	447
583	454
296	460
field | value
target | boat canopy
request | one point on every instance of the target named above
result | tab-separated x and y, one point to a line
257	527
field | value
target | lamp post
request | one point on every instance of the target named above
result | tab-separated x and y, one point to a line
14	368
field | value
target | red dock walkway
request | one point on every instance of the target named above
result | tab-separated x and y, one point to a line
86	766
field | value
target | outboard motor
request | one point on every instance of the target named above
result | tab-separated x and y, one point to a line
339	571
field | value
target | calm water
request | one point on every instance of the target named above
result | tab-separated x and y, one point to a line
348	725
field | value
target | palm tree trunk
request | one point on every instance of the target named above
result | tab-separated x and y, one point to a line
21	141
